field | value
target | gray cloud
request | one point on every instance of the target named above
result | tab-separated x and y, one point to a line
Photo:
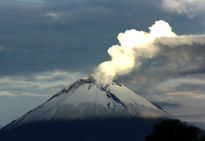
32	1
52	15
6	93
2	48
177	57
27	91
191	8
182	97
42	84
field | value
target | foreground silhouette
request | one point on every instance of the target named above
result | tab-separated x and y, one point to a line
129	129
83	130
174	130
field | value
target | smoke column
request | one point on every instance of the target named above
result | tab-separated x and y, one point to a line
134	46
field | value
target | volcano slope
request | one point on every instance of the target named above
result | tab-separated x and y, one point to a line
88	111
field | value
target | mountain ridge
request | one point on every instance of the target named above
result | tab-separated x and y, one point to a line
88	108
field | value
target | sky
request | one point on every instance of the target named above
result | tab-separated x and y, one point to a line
45	45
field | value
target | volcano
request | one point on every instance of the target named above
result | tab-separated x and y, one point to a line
88	110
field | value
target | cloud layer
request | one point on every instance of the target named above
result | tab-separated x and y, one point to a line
178	54
134	47
37	85
21	93
191	8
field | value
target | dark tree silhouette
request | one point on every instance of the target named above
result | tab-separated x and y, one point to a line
203	138
174	130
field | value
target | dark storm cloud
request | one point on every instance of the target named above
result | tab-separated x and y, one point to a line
60	34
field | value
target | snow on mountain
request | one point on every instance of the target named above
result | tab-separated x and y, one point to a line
86	99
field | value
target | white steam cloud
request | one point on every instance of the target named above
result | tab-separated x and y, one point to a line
137	46
134	46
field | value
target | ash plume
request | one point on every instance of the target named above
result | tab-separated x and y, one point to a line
135	47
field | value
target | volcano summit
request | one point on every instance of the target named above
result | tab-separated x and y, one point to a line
88	110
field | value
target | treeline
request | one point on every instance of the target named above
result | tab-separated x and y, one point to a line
175	130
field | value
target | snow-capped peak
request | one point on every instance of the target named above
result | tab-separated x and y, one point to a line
86	99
